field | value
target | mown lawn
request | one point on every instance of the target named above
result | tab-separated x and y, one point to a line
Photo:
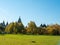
29	40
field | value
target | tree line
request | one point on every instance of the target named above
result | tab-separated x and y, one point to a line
30	29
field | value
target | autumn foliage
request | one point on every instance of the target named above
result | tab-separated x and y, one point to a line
31	28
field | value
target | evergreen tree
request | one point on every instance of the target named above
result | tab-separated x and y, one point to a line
19	20
3	24
6	23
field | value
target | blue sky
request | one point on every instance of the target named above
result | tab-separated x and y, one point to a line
39	11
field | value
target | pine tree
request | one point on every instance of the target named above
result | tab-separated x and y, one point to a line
19	20
6	23
3	24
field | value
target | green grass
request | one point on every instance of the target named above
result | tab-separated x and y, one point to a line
27	40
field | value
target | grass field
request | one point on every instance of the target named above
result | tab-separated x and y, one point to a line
27	40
